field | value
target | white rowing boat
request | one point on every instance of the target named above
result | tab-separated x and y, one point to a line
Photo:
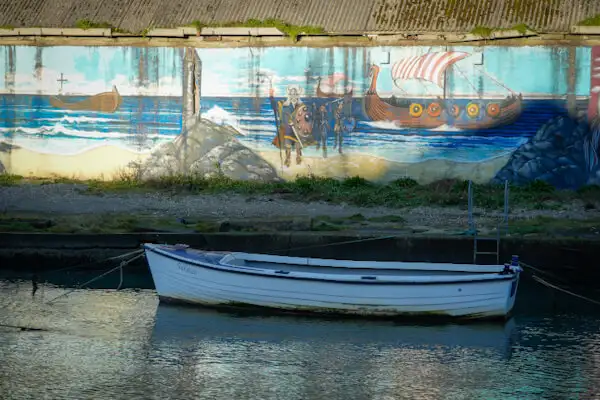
365	288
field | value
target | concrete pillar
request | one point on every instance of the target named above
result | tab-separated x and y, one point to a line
192	73
594	103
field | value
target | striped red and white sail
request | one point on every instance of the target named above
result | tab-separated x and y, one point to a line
429	67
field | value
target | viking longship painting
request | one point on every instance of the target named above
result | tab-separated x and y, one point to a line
326	87
107	102
474	114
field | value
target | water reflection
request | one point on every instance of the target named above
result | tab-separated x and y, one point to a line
103	344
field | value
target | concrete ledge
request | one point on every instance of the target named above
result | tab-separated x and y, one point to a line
13	37
175	32
29	31
509	34
189	31
464	37
9	32
552	36
585	30
76	32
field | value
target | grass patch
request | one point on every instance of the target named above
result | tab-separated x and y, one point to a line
89	223
322	226
521	28
207	226
292	31
387	219
591	21
482	31
548	226
10	180
86	24
354	190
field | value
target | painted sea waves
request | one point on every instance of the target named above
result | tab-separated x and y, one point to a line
142	123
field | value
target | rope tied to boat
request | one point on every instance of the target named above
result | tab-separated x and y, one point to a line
315	246
548	284
553	286
131	253
120	266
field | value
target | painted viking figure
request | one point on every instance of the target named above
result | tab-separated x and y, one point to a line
344	121
321	126
294	124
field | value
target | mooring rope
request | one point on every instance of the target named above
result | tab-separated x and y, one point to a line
337	243
95	262
540	271
123	263
548	284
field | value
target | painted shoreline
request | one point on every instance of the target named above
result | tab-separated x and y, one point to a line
110	162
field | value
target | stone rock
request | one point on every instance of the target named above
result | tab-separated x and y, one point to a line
556	154
7	147
2	169
208	149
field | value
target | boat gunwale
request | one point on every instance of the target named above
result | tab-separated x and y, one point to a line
342	279
381	265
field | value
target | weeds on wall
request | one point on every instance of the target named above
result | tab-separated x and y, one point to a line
487	32
292	31
592	21
86	24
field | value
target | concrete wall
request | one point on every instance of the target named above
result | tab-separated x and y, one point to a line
482	113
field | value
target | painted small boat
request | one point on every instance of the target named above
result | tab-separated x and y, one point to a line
311	285
327	89
107	102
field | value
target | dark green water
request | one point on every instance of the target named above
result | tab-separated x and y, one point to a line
104	344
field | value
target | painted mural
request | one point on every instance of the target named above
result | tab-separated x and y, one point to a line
481	113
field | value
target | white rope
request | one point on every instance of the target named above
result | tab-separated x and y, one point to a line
337	243
120	277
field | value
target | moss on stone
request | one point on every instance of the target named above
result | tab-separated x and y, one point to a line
591	21
487	32
293	31
86	24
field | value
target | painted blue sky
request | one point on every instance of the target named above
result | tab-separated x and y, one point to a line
91	70
534	71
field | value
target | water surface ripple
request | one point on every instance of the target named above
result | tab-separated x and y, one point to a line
104	344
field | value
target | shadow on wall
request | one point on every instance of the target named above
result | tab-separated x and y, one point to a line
564	152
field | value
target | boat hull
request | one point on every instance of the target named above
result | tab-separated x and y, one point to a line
198	283
107	102
430	114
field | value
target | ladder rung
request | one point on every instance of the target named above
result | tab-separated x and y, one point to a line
486	252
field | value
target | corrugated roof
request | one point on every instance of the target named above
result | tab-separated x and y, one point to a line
336	16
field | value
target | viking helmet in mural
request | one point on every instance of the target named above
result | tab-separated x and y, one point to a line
293	94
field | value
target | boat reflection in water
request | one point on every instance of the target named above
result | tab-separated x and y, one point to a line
181	324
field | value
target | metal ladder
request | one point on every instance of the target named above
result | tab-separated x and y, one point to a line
502	227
